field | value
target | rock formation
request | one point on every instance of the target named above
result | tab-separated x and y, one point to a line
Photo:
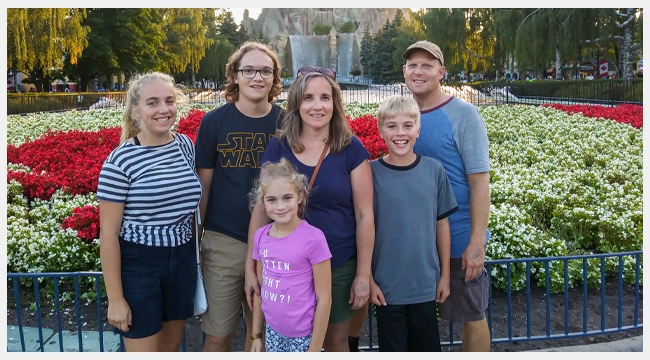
278	23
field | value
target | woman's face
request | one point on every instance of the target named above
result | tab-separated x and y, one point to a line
317	105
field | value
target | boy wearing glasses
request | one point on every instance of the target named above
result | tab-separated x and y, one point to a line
229	146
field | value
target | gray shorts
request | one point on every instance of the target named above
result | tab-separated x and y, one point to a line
467	301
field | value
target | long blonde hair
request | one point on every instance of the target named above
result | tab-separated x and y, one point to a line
231	89
340	132
130	125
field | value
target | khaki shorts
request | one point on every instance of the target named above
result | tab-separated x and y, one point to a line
223	275
467	301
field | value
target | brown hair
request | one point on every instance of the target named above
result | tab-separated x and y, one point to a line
340	131
285	170
231	89
130	125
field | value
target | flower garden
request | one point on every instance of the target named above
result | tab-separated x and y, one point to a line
565	180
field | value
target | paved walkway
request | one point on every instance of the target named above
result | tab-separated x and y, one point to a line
634	344
90	341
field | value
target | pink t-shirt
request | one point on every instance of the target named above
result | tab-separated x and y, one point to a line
288	294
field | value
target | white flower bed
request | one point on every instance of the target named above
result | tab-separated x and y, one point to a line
560	183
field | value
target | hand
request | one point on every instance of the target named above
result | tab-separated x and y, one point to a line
256	346
251	287
376	296
360	292
442	290
473	260
119	314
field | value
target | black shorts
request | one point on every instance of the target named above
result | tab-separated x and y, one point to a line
412	328
159	284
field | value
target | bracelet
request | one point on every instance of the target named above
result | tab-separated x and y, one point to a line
256	336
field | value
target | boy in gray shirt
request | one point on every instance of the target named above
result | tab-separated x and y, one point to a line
410	262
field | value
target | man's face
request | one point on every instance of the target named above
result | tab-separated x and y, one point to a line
422	72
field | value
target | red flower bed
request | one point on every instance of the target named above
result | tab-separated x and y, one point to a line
626	113
365	127
85	220
68	160
189	124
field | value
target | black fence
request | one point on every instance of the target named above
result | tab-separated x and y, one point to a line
603	92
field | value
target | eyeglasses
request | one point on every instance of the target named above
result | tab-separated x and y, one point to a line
325	71
250	73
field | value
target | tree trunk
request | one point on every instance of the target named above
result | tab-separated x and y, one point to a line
627	50
558	60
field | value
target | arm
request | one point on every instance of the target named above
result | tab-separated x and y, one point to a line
205	175
251	283
323	286
110	215
443	244
258	315
479	210
362	196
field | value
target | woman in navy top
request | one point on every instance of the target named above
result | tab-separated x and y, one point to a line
341	201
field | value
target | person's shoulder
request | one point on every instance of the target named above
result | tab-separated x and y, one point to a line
430	162
308	228
219	111
461	104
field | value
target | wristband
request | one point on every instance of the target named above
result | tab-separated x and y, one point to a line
256	336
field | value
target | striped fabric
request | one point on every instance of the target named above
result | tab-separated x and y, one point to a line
159	188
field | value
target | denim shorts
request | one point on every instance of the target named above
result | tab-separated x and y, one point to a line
158	285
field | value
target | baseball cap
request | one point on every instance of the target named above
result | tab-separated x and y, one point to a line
430	47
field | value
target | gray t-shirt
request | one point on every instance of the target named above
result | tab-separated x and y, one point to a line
408	202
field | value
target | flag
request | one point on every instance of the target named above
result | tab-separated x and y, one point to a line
604	67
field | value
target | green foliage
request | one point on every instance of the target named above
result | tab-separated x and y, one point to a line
347	27
322	29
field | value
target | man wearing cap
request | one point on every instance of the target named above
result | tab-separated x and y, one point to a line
453	132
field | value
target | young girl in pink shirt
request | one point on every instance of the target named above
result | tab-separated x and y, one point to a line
293	266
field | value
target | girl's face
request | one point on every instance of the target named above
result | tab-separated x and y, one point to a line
281	202
317	105
157	107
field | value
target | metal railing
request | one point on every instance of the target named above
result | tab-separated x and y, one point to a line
602	92
588	326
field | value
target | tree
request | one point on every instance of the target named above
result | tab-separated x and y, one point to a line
213	65
410	32
470	46
186	39
38	39
322	29
365	51
228	28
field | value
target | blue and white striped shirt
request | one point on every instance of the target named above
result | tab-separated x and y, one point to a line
159	188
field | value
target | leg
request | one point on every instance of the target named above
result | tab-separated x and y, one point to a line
336	337
466	305
476	336
171	336
355	328
392	328
178	289
223	275
146	344
423	335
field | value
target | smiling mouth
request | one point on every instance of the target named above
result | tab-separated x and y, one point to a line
165	119
400	142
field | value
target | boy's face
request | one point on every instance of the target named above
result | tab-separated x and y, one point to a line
400	133
256	89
